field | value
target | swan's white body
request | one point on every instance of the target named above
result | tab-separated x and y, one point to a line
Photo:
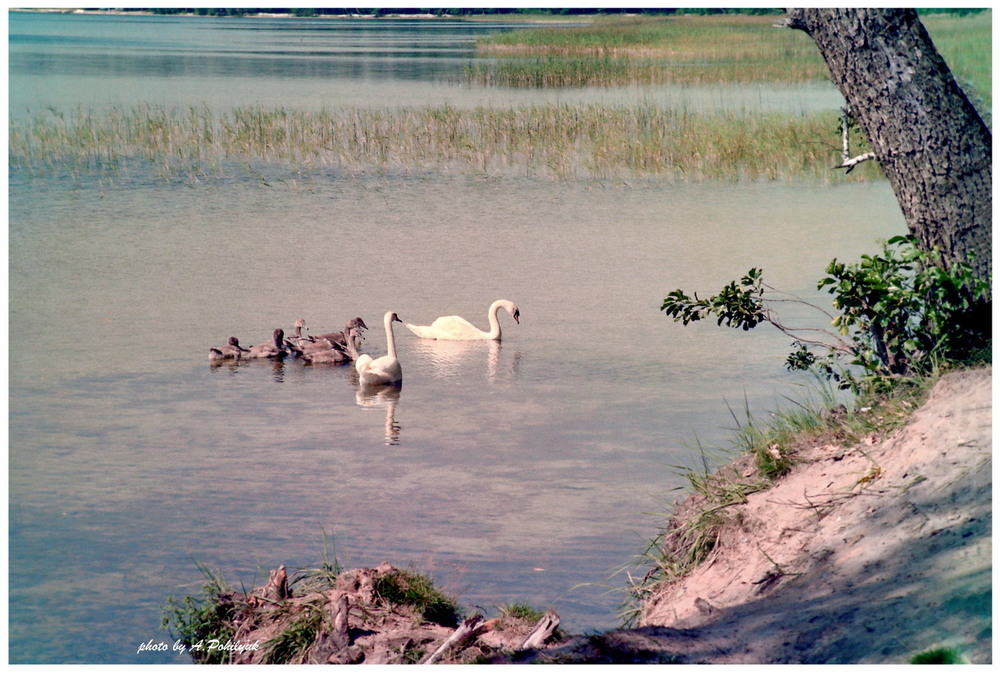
384	370
457	328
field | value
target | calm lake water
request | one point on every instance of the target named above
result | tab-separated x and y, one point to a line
524	471
65	61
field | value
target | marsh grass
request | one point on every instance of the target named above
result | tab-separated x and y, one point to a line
651	50
546	140
702	50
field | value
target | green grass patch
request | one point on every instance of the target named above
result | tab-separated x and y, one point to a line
405	587
195	620
298	635
521	611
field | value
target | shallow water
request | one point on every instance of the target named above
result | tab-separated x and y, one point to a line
519	471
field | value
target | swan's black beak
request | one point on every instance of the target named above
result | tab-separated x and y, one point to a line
517	317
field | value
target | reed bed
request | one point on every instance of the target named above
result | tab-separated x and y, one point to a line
682	50
546	140
701	50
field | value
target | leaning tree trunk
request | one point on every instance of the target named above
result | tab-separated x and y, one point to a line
932	144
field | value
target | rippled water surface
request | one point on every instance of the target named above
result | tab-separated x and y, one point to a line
515	471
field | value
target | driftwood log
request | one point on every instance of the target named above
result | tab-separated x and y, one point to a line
465	631
543	630
335	641
277	585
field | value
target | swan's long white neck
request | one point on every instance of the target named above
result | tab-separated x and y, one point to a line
494	321
390	341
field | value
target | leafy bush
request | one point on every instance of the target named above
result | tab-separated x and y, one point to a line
900	314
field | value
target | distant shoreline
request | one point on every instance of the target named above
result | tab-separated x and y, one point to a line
518	18
265	15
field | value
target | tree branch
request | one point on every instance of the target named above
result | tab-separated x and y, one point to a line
851	164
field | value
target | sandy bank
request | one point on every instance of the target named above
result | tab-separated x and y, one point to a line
868	554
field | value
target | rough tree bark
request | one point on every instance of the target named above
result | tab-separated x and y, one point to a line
932	144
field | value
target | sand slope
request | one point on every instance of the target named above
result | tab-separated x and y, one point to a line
863	555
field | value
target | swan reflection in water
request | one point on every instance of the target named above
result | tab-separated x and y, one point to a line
451	359
382	396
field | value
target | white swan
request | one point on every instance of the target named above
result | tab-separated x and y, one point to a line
386	369
456	328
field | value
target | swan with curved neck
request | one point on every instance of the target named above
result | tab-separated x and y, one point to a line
384	370
457	328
